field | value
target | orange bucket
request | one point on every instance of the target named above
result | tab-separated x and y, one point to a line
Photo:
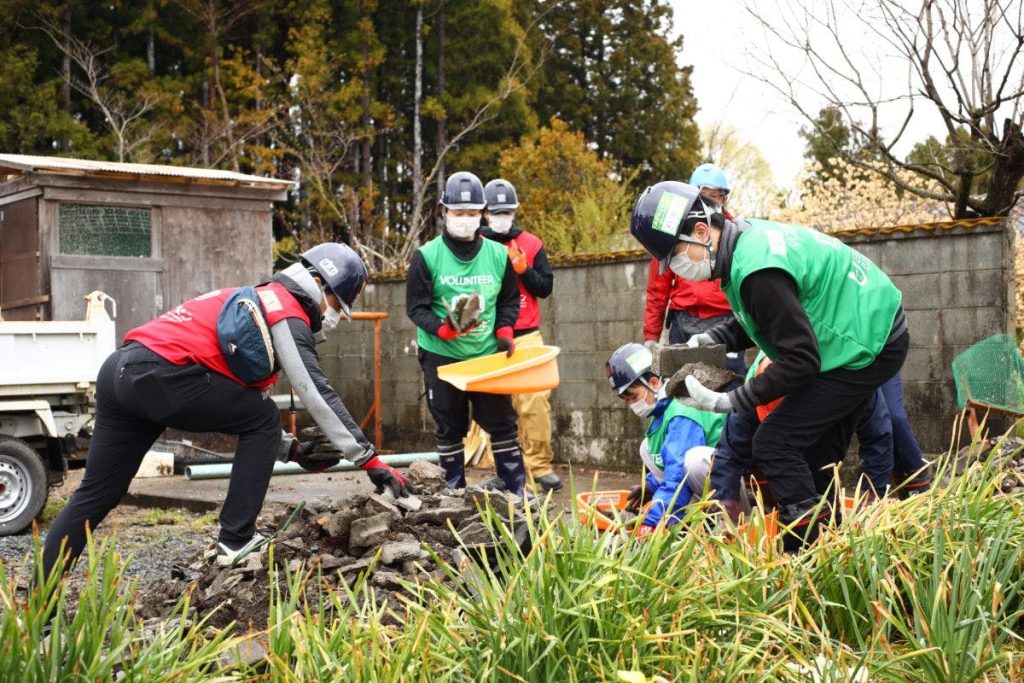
529	369
592	507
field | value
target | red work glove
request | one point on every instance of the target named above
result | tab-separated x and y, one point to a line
517	257
447	332
643	531
505	341
383	475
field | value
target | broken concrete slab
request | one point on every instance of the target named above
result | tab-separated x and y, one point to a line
378	503
441	516
426	477
669	358
367	532
394	552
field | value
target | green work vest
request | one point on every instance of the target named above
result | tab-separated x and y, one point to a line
850	302
452	277
711	423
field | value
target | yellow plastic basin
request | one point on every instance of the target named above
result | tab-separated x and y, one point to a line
529	369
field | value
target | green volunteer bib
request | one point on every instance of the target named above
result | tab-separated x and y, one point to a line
452	277
711	423
850	302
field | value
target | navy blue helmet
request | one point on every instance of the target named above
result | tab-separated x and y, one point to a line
628	364
501	196
341	270
463	190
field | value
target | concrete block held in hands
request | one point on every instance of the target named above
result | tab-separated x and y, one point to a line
669	358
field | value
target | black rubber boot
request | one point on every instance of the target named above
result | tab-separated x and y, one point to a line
453	459
808	520
549	482
508	465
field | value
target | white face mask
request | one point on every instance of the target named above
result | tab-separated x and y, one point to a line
641	407
330	320
500	222
462	227
681	265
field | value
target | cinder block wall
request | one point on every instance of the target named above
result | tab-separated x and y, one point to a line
957	284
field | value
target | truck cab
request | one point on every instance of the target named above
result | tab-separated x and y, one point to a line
47	403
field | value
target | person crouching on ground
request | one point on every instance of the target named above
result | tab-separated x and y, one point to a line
677	448
172	372
460	263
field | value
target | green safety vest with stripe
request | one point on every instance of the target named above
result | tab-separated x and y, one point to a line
711	423
451	277
850	303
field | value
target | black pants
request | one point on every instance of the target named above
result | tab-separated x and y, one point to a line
830	403
138	394
449	406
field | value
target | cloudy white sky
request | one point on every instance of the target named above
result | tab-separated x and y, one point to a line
717	36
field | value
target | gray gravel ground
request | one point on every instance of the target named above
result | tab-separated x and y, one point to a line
151	541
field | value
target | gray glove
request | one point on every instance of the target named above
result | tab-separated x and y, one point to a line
703	398
651	343
700	339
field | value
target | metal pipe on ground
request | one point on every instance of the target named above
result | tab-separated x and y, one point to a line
223	470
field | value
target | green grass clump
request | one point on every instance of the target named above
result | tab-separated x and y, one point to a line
929	589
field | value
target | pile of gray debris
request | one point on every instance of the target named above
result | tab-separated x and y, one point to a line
390	541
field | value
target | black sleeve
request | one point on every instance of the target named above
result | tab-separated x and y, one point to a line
508	299
771	298
539	279
731	334
419	295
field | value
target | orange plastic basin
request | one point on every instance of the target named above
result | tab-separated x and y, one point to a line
593	506
529	369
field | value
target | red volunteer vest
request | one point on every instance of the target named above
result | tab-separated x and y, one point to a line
529	310
188	333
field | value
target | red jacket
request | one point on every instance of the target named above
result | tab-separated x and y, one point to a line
529	309
665	290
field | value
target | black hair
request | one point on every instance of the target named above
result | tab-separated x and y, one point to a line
701	212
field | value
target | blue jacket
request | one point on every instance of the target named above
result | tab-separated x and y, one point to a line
682	435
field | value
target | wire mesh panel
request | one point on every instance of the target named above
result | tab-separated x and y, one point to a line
105	230
991	373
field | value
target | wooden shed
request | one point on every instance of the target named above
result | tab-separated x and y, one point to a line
150	236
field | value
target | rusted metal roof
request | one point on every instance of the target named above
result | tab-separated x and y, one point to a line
18	164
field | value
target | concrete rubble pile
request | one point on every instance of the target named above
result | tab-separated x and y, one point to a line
375	535
1007	454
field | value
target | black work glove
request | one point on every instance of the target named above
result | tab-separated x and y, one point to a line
638	496
382	474
302	453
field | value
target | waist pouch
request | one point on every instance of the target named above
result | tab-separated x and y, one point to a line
244	336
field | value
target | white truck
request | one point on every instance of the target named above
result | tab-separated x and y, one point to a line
47	401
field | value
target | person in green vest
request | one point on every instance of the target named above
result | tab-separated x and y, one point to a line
830	320
459	262
679	442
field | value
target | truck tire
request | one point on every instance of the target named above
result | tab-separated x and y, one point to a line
23	487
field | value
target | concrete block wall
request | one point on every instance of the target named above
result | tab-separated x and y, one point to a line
957	285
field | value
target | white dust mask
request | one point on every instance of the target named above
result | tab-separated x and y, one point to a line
681	265
462	227
500	222
641	407
330	320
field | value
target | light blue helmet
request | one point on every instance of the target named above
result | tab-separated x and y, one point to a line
709	175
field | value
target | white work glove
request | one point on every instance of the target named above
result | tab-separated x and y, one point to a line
703	398
651	343
701	339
